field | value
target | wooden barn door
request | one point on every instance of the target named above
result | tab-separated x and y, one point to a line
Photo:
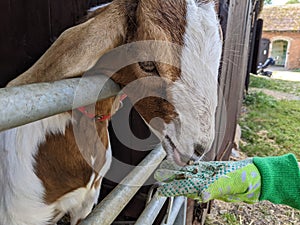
264	50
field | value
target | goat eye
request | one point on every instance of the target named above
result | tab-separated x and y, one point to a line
148	66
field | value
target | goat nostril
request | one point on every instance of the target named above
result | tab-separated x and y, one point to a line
199	149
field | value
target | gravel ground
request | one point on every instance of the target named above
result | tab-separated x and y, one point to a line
263	213
276	94
283	74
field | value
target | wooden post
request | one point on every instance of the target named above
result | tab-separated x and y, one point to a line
233	73
235	19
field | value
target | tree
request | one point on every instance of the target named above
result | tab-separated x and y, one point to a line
267	2
292	2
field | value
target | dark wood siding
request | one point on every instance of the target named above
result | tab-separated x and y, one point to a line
263	50
28	28
233	74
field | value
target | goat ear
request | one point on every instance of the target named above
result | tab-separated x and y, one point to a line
79	48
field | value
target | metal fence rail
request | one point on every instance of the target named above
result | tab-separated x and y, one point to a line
178	213
110	207
151	211
28	103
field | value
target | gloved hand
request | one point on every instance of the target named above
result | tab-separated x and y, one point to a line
228	181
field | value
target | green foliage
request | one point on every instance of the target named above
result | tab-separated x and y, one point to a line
260	100
292	2
291	87
267	2
230	218
270	127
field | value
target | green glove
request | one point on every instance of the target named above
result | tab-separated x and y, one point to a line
228	181
280	179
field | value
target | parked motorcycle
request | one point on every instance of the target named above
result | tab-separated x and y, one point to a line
261	67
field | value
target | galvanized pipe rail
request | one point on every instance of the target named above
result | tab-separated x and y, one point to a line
150	213
110	207
28	103
152	210
178	210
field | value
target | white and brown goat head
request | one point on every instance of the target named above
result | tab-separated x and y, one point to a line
186	78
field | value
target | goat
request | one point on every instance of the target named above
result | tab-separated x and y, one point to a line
186	111
48	173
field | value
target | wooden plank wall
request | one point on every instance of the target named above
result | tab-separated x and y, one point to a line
29	27
233	74
236	20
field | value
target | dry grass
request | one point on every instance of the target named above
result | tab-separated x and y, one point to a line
263	213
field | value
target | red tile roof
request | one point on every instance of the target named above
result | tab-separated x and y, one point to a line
281	18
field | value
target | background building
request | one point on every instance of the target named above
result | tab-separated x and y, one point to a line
281	35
